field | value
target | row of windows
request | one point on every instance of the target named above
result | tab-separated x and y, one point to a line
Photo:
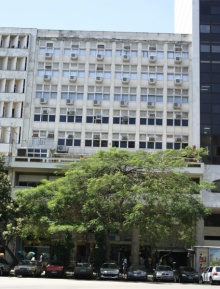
117	97
116	120
118	53
117	75
122	144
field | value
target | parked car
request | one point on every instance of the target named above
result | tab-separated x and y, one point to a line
55	269
186	274
163	273
83	270
109	271
211	275
137	272
28	268
4	267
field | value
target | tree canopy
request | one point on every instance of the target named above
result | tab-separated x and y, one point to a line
117	190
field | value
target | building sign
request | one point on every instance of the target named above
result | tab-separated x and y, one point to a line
214	257
202	260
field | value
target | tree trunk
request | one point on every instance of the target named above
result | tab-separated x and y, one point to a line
107	247
135	239
13	257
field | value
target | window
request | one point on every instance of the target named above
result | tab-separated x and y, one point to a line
73	69
72	92
125	94
126	71
46	91
124	117
73	115
99	93
45	114
96	139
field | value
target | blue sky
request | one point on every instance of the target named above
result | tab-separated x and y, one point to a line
94	15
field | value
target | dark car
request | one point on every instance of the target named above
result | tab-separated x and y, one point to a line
83	270
137	272
55	269
4	267
186	274
109	271
163	273
28	268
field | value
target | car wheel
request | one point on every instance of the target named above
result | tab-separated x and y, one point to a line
211	281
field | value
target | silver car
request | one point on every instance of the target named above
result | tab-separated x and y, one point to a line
163	273
28	268
109	271
211	275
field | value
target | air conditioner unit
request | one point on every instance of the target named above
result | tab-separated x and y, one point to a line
152	58
98	116
125	80
99	57
71	135
74	56
47	77
177	105
178	115
178	139
69	101
151	115
48	55
178	59
151	104
50	135
126	57
178	81
151	138
123	103
152	80
73	78
62	149
96	102
71	112
45	111
124	118
43	101
98	79
96	136
124	137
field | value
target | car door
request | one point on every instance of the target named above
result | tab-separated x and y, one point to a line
208	273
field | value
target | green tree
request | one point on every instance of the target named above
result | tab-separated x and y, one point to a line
150	194
9	213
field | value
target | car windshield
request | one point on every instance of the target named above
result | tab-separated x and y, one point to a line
137	267
112	266
28	262
163	268
187	269
87	265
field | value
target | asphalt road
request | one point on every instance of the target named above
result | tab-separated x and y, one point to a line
44	283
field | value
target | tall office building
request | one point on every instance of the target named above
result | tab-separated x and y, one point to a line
204	19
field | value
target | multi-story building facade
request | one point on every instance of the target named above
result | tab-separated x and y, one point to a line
67	94
204	19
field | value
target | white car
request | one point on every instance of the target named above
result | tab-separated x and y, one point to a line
211	275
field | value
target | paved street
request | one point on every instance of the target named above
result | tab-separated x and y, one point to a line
42	283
